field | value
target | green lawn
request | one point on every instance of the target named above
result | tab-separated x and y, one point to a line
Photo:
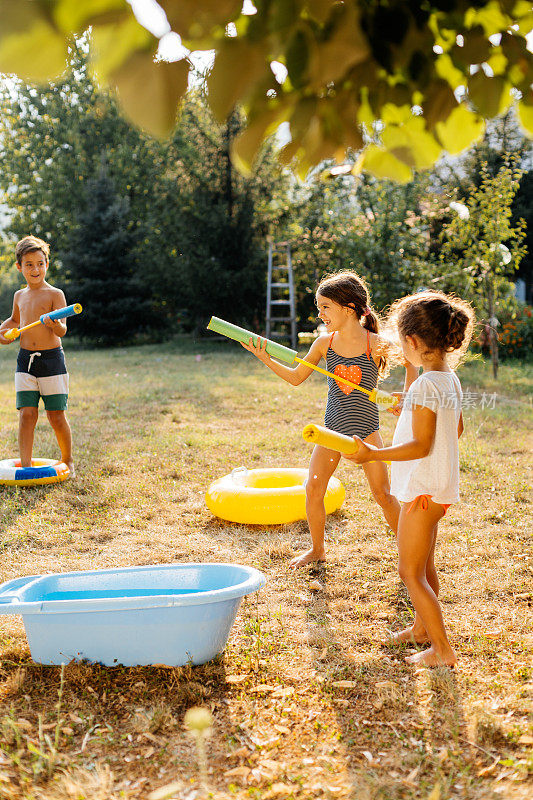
152	426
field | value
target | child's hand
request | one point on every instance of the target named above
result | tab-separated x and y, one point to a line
397	409
3	339
49	323
365	452
258	350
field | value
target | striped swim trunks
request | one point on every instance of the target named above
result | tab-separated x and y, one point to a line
42	373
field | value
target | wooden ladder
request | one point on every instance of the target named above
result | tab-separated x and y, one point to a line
280	294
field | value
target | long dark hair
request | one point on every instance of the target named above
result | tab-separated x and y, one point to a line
349	290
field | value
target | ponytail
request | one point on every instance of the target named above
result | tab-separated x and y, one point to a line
370	321
457	329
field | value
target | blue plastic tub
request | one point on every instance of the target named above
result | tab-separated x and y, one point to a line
169	614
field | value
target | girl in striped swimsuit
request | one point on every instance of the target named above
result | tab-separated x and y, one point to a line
353	350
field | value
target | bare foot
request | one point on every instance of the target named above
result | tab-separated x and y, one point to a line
409	635
430	658
70	465
306	558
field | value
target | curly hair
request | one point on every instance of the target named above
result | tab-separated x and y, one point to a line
444	323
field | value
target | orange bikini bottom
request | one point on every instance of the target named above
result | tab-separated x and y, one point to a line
424	503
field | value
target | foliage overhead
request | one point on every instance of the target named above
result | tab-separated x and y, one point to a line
365	75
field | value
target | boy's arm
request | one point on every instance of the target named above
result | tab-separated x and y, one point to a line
12	322
57	326
293	375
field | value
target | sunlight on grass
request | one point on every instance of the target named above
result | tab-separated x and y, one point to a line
307	701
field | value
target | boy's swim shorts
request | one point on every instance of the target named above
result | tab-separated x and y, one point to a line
42	374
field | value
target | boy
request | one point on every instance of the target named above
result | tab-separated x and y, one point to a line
41	369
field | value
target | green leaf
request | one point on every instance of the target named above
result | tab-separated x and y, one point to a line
491	96
438	103
395	115
77	16
462	128
297	58
245	146
114	44
193	19
18	17
446	69
411	143
490	17
238	66
35	55
150	91
477	47
345	47
525	115
382	164
319	9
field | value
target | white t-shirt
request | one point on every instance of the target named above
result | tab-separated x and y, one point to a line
437	474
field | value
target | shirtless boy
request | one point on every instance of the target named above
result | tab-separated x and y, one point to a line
41	369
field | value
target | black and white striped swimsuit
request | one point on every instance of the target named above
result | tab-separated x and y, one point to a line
349	411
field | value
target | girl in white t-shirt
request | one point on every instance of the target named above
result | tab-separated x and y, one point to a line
434	330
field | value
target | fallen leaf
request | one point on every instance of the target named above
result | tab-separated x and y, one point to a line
443	754
283	692
410	779
494	634
241	751
282	729
525	739
164	792
237	772
488	770
280	790
368	755
236	678
435	792
344	684
254	776
316	586
262	688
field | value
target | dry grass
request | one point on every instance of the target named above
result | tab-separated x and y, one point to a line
153	426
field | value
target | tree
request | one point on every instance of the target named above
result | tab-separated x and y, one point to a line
100	269
482	252
379	77
209	222
52	142
380	229
503	140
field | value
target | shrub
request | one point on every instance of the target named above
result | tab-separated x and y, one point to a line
515	332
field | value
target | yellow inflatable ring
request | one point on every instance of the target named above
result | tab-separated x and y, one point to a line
42	471
266	496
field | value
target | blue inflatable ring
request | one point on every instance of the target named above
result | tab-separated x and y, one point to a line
42	471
